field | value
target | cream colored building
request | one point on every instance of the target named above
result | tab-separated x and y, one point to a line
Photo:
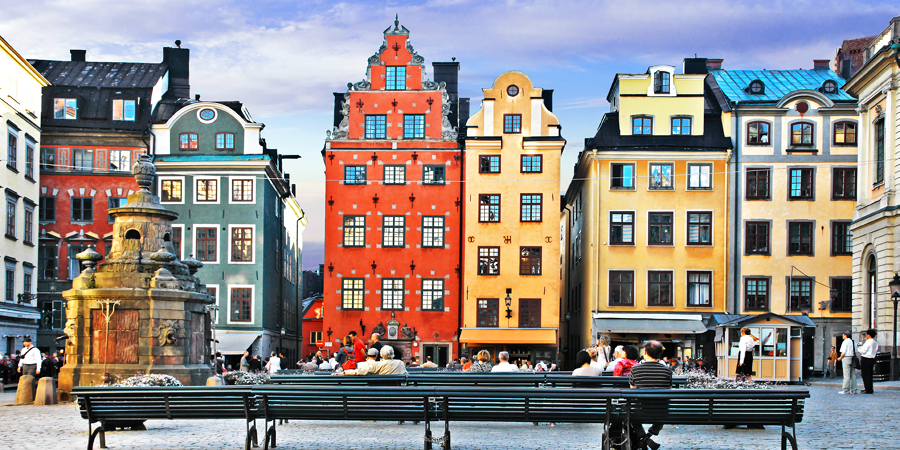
20	109
511	207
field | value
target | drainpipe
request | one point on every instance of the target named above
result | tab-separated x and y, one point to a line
298	284
462	240
736	288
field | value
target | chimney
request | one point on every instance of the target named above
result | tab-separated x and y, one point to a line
714	64
78	55
179	62
695	66
821	64
448	72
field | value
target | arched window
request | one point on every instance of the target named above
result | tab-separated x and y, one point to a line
802	134
872	288
879	151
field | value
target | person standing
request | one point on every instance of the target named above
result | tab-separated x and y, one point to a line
650	374
274	364
746	347
832	358
867	353
376	344
245	362
30	361
359	348
848	350
604	352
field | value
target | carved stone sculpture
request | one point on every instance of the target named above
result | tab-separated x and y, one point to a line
168	333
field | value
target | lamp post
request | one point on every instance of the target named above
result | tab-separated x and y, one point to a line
508	301
895	296
281	342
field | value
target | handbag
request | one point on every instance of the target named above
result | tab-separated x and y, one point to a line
856	363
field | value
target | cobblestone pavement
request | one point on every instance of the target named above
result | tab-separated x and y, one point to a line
825	424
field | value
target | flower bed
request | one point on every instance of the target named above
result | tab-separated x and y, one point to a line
698	379
246	378
148	380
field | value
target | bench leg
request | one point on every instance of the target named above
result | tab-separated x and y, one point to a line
270	437
427	438
787	437
254	435
98	431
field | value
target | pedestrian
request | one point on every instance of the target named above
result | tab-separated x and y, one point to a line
30	361
504	365
650	375
245	362
867	353
604	352
746	347
256	364
46	366
359	348
274	364
584	366
618	355
832	358
346	357
376	344
220	363
628	361
466	364
483	364
848	351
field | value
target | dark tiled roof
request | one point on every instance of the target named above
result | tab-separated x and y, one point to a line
855	45
778	83
100	74
608	138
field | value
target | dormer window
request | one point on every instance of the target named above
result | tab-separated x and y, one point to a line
756	87
124	109
661	82
395	78
829	87
64	108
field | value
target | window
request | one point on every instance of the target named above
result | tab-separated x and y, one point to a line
842	298
82	209
242	244
26	284
879	151
529	260
83	159
531	207
756	87
488	260
48	255
845	133
413	126
801	184
641	125
53	316
10	282
75	266
393	231
659	288
354	231
681	125
207	244
488	312
352	290
48	159
699	289
532	163
801	294
315	337
120	160
241	190
188	141
512	123
241	304
841	239
802	134
489	164
29	159
756	294
489	207
207	191
224	141
433	231
376	127
64	108
432	294
171	191
112	203
47	209
758	184
176	241
757	237
621	229
28	235
758	133
621	288
622	176
661	82
661	176
12	153
395	79
354	174
529	313
11	217
660	228
699	176
392	293
700	228
123	109
843	184
800	238
394	174
433	174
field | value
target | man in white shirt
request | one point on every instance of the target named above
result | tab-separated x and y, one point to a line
848	349
30	361
504	365
619	355
867	353
274	364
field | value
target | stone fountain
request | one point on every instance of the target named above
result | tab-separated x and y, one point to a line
141	310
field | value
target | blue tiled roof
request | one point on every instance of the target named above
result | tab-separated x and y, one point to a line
778	83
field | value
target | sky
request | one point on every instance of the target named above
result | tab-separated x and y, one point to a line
284	59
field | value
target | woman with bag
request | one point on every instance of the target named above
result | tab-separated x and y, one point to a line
345	357
848	355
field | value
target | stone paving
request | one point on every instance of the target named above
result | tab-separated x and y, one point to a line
831	422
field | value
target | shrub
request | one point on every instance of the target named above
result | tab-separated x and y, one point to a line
246	378
699	379
148	380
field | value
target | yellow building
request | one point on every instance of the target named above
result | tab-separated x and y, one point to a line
511	248
647	231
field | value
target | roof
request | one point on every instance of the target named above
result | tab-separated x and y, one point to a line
736	320
100	74
855	45
608	138
196	158
778	83
167	107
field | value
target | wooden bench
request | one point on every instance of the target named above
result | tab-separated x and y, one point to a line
117	407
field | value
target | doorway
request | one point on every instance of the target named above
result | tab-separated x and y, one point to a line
439	353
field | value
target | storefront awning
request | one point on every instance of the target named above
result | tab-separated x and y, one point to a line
234	343
19	313
649	325
542	336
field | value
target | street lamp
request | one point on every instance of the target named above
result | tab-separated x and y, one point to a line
281	342
508	300
895	296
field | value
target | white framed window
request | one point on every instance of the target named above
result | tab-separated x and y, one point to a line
241	240
241	302
65	108
206	190
119	160
242	190
171	190
207	242
178	240
700	176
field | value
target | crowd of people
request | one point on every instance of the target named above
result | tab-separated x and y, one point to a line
29	361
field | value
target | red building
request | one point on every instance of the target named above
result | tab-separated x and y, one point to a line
392	240
312	327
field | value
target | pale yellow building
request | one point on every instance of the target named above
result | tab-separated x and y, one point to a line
511	206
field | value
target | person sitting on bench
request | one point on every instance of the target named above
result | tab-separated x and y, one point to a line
387	366
650	374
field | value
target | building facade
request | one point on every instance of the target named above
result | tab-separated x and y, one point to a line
20	110
793	189
511	200
875	218
393	193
